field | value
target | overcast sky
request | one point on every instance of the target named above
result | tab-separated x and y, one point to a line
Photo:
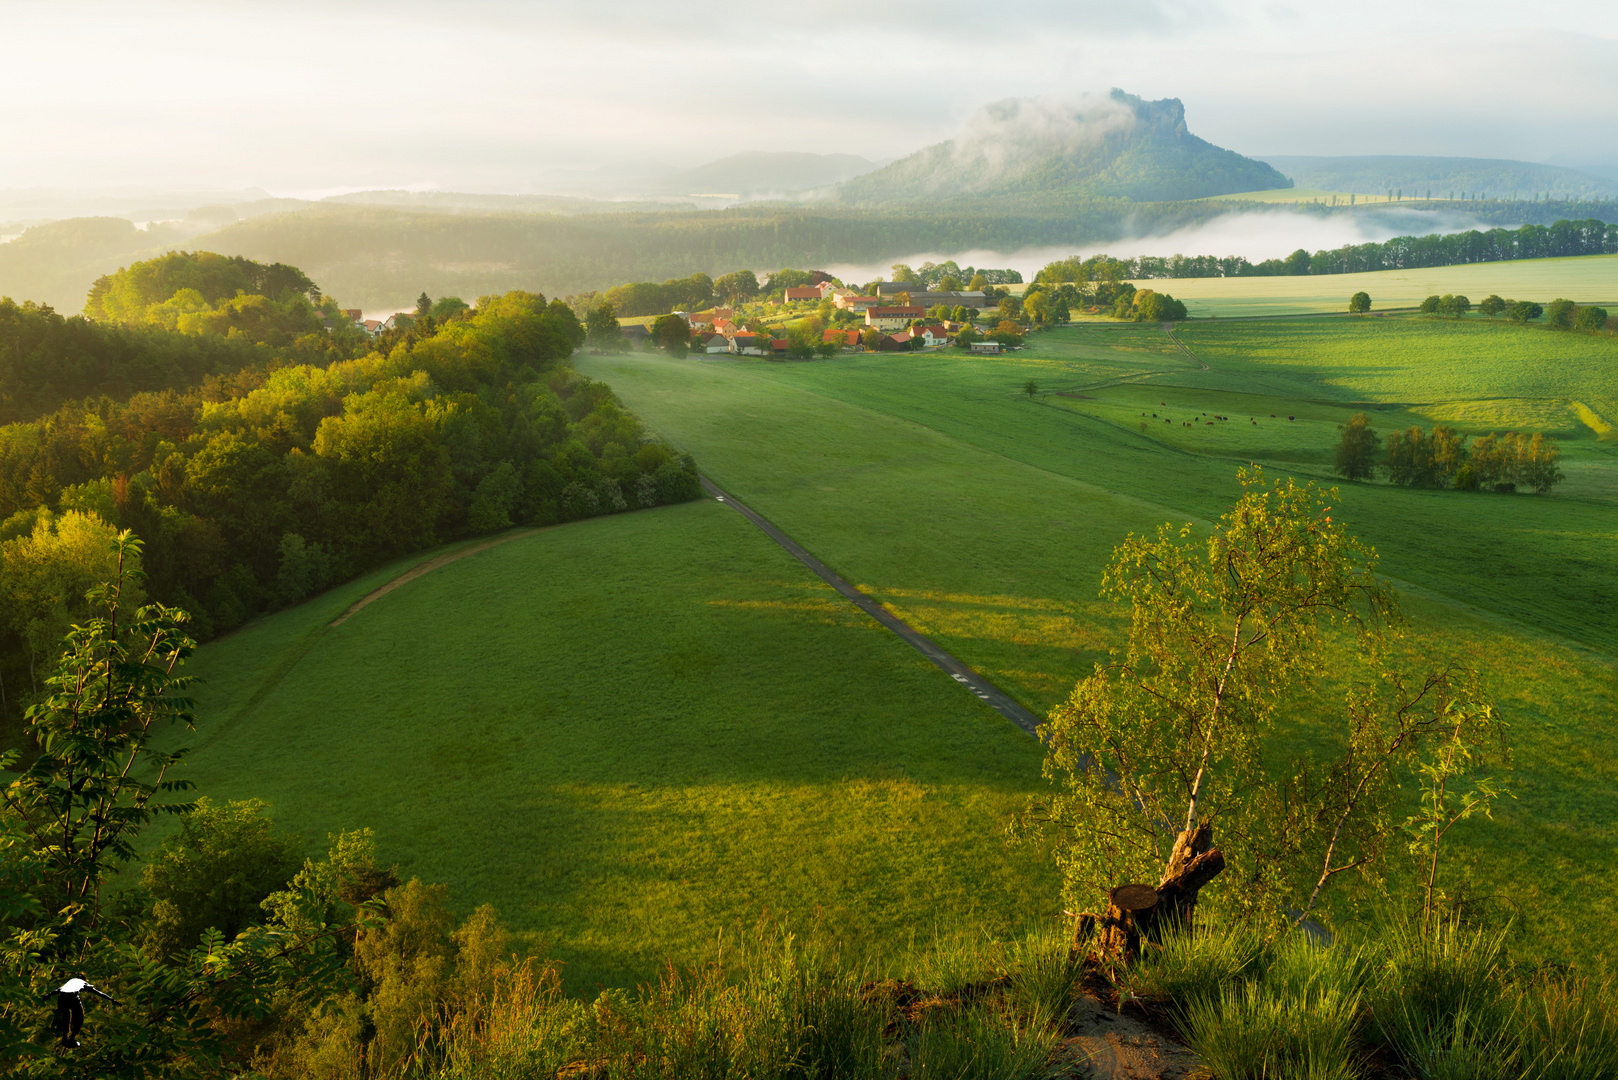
306	98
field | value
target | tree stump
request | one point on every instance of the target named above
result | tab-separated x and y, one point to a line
1127	907
1193	863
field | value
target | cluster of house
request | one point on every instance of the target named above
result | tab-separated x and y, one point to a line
713	332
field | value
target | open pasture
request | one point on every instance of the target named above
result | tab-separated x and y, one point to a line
985	518
1587	279
632	734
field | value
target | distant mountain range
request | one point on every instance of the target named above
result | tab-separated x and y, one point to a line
1482	177
1115	146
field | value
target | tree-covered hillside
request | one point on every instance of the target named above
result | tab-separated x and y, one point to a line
1119	147
261	457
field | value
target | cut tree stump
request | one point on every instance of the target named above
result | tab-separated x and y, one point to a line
1134	910
1193	863
1127	907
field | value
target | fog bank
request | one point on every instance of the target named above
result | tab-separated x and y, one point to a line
1255	236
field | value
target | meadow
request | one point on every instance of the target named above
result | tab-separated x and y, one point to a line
631	736
984	517
1587	279
635	733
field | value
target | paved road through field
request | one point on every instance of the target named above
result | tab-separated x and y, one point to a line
997	699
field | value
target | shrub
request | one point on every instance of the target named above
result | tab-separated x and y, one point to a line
214	873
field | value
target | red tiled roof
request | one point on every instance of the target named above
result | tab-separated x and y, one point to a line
778	344
896	312
807	292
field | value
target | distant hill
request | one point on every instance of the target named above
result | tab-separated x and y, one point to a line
766	173
1442	176
1116	146
740	176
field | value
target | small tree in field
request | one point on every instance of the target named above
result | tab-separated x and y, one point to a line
1359	303
1357	449
1030	387
1228	637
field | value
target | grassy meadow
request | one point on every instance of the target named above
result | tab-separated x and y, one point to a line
635	733
631	734
985	518
1587	279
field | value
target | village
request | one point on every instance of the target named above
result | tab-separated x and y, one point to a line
825	317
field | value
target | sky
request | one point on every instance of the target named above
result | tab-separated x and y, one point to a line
306	99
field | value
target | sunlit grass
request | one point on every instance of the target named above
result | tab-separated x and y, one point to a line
630	734
987	518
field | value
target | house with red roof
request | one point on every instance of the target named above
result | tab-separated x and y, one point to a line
806	292
745	343
843	339
778	346
932	336
855	302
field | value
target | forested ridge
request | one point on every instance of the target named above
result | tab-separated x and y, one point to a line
260	458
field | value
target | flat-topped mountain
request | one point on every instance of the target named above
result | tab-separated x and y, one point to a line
1110	146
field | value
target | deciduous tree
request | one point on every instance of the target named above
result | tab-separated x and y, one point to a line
1356	450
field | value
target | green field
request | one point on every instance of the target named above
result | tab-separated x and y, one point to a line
1588	279
985	518
633	732
630	734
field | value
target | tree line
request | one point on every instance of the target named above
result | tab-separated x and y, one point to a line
1563	238
261	486
1443	458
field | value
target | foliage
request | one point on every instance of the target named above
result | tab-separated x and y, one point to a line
1359	303
1443	458
1356	450
1175	732
259	494
47	360
213	874
71	819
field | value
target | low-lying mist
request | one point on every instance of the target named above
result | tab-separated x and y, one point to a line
1256	236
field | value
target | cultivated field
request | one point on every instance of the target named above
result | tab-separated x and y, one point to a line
1587	279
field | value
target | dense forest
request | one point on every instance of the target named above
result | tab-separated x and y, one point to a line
261	457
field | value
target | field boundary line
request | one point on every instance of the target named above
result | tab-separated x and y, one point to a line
426	568
993	696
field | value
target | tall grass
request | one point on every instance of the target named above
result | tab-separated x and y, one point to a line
1446	1004
773	1006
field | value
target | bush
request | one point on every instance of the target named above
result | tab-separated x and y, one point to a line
214	873
1359	303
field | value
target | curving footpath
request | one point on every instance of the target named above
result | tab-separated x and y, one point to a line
996	698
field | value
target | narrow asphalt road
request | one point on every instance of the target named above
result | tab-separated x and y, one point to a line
983	688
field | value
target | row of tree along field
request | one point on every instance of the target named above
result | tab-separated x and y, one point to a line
1443	458
297	459
1564	238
